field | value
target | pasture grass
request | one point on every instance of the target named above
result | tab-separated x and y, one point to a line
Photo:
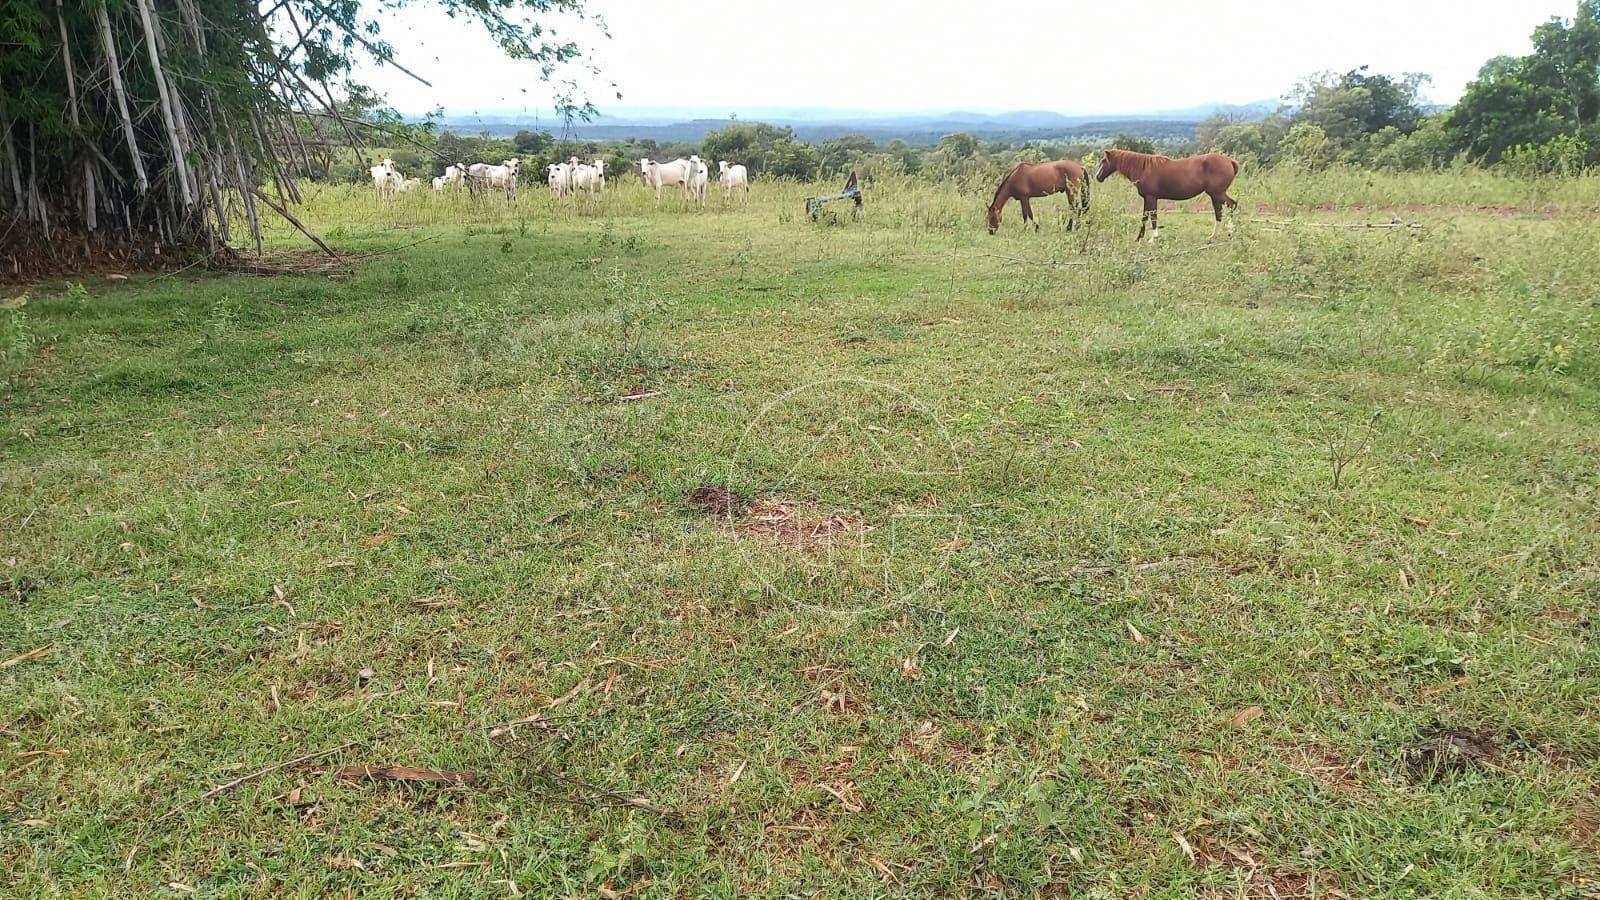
1034	577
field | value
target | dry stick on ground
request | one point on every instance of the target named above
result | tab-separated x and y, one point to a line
1050	264
597	797
243	779
1350	225
1206	246
403	773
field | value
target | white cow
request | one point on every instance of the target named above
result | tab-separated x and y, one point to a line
658	175
406	184
590	178
573	165
733	177
558	179
385	179
453	177
699	176
502	177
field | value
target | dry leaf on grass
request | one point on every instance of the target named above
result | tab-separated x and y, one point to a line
909	668
1463	681
1138	636
30	655
1245	716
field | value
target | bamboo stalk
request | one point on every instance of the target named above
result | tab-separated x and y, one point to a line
90	195
180	165
109	45
11	155
280	210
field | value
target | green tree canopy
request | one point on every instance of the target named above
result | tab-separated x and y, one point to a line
756	145
1358	103
1529	101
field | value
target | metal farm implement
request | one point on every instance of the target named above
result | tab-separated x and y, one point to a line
852	191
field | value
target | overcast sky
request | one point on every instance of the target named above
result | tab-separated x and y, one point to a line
1106	56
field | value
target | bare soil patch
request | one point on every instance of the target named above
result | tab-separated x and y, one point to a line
19	590
716	500
1453	751
800	525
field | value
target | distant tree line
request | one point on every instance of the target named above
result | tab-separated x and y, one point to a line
1537	114
1534	114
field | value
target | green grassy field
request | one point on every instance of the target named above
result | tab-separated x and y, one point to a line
873	557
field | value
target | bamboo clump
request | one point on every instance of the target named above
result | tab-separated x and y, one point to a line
154	126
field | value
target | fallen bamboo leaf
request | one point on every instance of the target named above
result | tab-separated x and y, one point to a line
1183	844
737	771
1240	855
30	655
842	797
611	893
577	689
909	668
1419	521
379	538
1245	716
1138	636
1463	681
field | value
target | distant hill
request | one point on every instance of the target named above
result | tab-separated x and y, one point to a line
915	128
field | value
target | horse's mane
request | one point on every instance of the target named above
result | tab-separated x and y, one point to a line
1003	182
1135	165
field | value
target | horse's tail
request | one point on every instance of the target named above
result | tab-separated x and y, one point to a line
1083	193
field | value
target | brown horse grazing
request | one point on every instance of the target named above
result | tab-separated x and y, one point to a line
1162	178
1029	180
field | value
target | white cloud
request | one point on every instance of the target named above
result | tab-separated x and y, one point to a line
951	54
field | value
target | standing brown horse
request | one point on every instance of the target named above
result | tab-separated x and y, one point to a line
1161	178
1029	180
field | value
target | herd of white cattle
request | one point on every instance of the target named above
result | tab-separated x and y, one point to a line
571	177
